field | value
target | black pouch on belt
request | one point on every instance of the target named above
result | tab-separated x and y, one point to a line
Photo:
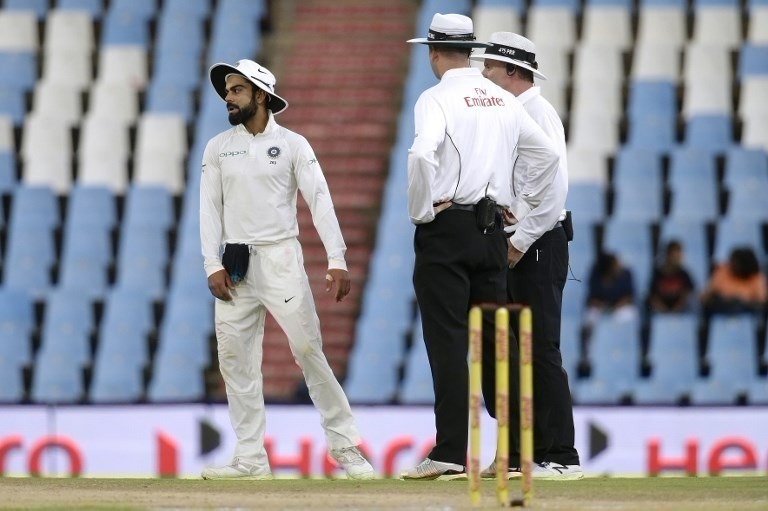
568	225
235	261
485	213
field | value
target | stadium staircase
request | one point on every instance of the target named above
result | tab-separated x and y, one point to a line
341	66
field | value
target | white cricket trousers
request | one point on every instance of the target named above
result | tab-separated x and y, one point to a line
277	282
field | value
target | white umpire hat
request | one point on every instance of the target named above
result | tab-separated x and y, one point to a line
258	75
454	30
512	49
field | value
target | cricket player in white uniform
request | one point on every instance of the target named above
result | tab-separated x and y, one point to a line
250	177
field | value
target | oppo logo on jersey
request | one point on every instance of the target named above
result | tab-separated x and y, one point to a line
232	153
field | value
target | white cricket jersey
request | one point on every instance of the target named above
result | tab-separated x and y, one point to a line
550	210
467	130
248	193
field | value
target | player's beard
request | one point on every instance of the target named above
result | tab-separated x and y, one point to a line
243	115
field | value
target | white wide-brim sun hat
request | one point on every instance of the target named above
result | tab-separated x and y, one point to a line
454	30
258	75
513	49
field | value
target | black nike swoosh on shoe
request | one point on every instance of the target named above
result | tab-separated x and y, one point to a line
289	299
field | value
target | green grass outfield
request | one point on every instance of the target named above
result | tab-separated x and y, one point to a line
667	493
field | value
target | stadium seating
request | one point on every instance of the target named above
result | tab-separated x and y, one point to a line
664	104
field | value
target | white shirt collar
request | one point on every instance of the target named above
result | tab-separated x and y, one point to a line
529	94
461	71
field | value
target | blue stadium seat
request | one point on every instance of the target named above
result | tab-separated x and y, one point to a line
30	256
92	206
746	202
84	262
34	205
114	381
125	28
631	241
144	8
582	249
373	362
56	379
736	232
651	97
514	4
417	386
196	8
15	348
169	98
16	312
746	168
148	206
94	7
637	201
637	167
575	295
18	69
652	131
126	310
186	333
13	104
180	33
694	199
712	133
614	357
225	48
142	258
707	392
11	382
175	380
39	7
182	69
67	325
692	234
587	201
732	351
691	164
673	356
758	392
570	344
753	60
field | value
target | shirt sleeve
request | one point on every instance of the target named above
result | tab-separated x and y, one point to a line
211	207
543	216
314	190
430	125
541	158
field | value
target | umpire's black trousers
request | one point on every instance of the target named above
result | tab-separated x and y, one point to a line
538	280
456	266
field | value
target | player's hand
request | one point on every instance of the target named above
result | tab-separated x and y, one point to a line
513	255
340	279
508	217
219	284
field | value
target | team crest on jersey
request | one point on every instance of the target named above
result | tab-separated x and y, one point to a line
273	152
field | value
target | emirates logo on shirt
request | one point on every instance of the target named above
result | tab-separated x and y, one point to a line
482	99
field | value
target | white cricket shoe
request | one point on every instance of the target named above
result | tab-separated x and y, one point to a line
431	470
238	470
490	472
551	471
353	461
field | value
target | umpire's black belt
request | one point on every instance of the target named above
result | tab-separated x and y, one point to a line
465	207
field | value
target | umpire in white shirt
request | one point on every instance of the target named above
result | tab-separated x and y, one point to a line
539	266
250	177
459	171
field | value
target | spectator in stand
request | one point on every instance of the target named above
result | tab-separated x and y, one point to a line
736	286
671	284
611	290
